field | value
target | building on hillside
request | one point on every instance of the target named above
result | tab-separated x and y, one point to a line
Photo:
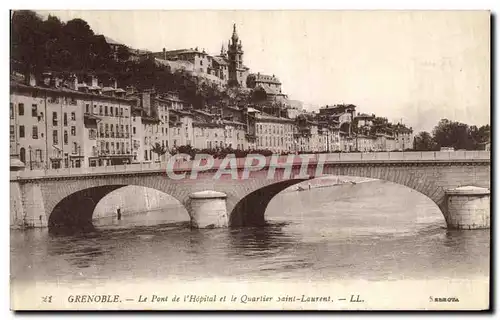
266	88
328	138
199	59
269	132
307	135
211	131
174	66
347	142
364	143
403	137
342	114
63	123
227	68
364	120
384	142
181	128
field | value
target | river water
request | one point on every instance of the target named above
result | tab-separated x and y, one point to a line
372	231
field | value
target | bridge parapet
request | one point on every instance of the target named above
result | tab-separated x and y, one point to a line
185	165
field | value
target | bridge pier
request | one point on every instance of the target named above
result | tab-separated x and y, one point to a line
468	208
207	209
27	208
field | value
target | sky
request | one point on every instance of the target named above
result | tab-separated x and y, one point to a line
417	67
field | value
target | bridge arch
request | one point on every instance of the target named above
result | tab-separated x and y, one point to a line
78	197
78	208
250	209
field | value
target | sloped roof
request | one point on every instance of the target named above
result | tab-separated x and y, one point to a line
112	41
220	60
268	90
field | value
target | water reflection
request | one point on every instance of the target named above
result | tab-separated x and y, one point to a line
261	240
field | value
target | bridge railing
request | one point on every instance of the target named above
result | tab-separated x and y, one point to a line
297	159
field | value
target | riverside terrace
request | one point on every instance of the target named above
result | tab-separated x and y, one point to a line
62	197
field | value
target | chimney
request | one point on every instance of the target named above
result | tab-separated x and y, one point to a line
146	102
73	82
164	54
94	81
130	90
32	80
46	78
57	81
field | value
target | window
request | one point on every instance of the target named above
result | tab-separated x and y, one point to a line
105	110
73	130
55	139
34	132
12	133
133	130
92	134
22	155
101	130
65	119
21	131
12	111
65	136
34	110
87	108
38	155
100	110
54	118
113	147
75	148
21	109
73	116
145	154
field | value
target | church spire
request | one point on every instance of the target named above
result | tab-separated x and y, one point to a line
235	35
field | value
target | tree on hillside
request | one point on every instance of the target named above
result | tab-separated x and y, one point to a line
424	142
480	135
123	53
27	37
453	134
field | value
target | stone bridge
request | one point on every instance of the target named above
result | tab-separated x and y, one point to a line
68	196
